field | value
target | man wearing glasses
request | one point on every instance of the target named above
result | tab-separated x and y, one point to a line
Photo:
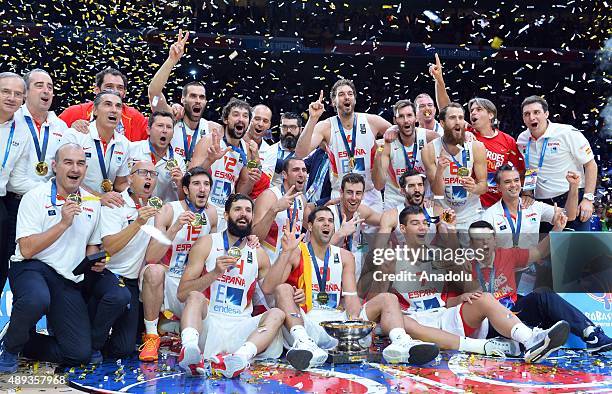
290	129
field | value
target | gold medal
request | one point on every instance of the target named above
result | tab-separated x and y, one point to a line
463	171
74	197
155	202
42	168
107	185
252	164
447	217
170	164
198	221
234	252
351	163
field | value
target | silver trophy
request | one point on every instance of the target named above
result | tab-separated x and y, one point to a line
348	333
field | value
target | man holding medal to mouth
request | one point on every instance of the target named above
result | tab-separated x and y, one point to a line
159	150
106	150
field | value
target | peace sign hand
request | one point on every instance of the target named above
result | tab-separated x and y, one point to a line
316	108
289	241
178	48
214	150
287	200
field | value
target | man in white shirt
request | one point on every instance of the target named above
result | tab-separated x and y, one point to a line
54	234
290	130
426	113
550	151
159	150
113	293
106	150
259	126
14	150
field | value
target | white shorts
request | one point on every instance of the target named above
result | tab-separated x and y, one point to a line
229	333
312	324
449	320
170	301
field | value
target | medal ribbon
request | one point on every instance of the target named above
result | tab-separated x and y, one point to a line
193	209
409	163
541	154
463	156
237	149
321	280
9	142
516	232
54	194
39	153
350	150
190	147
153	154
102	158
348	240
226	241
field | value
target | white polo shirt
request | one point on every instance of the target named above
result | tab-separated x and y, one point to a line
530	223
567	149
55	127
165	189
37	215
178	140
13	159
129	260
116	165
270	156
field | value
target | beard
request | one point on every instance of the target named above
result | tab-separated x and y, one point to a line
191	116
288	141
415	199
237	231
449	137
231	131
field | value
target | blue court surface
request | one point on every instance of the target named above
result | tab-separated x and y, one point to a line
568	371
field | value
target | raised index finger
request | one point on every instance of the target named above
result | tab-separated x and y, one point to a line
437	60
321	96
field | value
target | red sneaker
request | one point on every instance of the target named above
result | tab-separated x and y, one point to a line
229	365
190	361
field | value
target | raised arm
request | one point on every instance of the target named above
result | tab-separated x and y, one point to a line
442	99
314	132
193	279
383	158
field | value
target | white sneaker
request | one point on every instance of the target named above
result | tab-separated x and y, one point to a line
502	347
190	361
544	342
229	365
306	354
410	351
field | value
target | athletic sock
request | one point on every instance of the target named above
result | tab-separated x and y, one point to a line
397	333
471	345
190	336
298	332
587	331
151	326
248	350
521	333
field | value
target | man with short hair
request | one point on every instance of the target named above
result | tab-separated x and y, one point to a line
57	226
192	127
217	288
320	286
259	126
550	151
402	150
348	137
426	113
183	222
290	130
158	149
132	124
113	293
106	150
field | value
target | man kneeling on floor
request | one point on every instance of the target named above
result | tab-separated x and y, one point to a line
325	273
217	288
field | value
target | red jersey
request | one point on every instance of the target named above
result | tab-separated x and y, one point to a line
134	123
506	261
501	149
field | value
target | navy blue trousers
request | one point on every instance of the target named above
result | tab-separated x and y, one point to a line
39	290
112	306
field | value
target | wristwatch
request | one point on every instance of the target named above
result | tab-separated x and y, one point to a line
589	196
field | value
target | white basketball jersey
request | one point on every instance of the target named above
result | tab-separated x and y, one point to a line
181	130
416	294
365	148
333	285
398	165
465	204
183	241
225	172
357	243
272	243
232	292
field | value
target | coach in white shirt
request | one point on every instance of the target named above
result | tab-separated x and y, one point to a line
54	234
14	149
106	150
114	292
515	220
553	149
158	149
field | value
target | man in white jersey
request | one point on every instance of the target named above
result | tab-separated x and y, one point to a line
426	114
179	221
54	234
401	151
258	128
550	151
192	127
228	157
456	168
517	225
325	274
113	293
217	288
158	149
428	301
348	137
290	129
106	150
